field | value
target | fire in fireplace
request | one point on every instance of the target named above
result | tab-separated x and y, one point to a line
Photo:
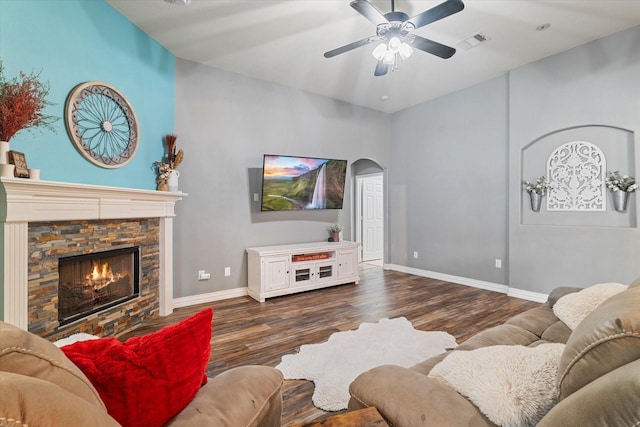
93	282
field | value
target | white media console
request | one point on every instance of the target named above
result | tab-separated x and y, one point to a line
286	269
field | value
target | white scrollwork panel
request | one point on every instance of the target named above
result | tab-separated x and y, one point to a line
576	171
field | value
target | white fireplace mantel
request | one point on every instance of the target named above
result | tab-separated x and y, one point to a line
24	200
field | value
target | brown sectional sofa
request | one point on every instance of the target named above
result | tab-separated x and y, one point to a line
598	381
40	386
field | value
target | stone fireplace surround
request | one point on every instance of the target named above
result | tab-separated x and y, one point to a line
24	201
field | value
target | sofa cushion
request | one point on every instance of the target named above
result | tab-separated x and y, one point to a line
147	380
407	398
606	339
31	401
611	400
243	396
512	385
27	354
500	335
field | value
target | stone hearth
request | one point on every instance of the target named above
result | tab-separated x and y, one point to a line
40	220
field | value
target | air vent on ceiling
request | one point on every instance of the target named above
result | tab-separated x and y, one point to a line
473	41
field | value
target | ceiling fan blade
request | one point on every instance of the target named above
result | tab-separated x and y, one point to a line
381	69
436	13
350	46
369	11
432	47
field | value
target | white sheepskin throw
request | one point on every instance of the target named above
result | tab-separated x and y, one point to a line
513	385
80	336
334	364
572	308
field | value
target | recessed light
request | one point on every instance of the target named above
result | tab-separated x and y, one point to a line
543	27
179	2
384	98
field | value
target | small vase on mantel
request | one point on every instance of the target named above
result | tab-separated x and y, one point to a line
536	201
4	152
620	199
163	186
7	170
172	181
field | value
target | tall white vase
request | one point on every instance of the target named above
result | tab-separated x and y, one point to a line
172	181
4	152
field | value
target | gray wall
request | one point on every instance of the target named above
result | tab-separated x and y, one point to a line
448	177
225	122
455	159
453	170
595	84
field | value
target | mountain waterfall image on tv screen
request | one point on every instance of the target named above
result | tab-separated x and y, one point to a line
293	183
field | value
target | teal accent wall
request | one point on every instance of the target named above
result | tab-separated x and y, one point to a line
73	41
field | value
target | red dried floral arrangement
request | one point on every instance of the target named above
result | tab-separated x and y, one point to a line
22	102
174	158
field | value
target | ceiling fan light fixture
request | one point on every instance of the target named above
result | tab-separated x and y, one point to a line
405	50
394	44
380	51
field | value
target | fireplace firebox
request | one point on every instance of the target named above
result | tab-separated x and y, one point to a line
93	282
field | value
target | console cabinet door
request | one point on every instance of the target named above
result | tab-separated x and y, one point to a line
275	272
347	263
325	272
302	274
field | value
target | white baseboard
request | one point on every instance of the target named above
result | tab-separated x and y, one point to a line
496	287
210	297
528	295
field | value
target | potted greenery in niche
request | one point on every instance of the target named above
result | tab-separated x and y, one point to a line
536	191
23	100
620	187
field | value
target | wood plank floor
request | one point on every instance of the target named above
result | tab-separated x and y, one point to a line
246	332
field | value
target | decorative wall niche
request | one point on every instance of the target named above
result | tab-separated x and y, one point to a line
577	150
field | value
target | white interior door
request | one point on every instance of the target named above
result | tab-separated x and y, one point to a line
372	217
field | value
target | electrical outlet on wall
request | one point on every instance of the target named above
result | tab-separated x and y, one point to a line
415	254
498	263
227	271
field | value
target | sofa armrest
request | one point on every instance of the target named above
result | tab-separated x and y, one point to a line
29	401
239	397
407	398
559	292
610	400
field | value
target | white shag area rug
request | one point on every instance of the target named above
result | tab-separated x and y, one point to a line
334	364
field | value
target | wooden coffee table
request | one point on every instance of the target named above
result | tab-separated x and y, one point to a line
360	418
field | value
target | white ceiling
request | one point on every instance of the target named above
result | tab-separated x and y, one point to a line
283	41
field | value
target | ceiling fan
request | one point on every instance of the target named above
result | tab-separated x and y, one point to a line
394	30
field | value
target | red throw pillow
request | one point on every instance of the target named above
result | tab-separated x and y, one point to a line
147	380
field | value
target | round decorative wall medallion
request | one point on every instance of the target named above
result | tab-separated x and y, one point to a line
102	124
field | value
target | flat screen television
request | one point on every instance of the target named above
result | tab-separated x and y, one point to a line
295	183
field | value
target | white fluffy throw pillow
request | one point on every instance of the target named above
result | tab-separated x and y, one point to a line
513	385
574	307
